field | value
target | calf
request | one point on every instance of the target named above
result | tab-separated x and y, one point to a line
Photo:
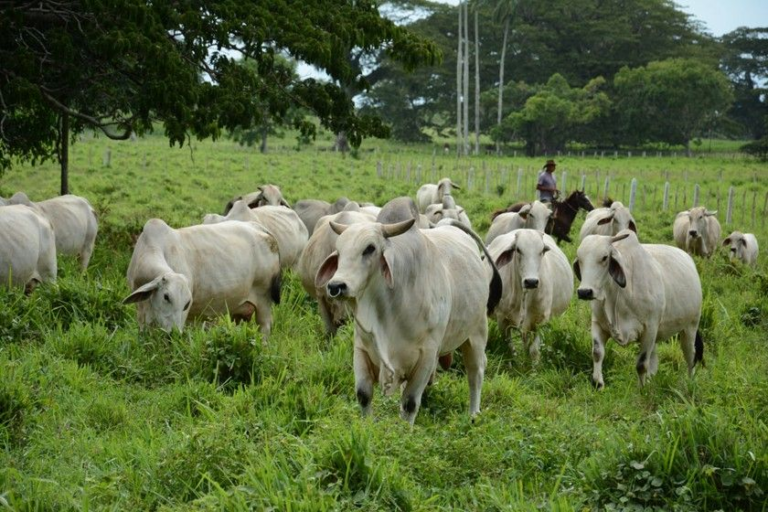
607	221
264	195
431	193
537	283
639	292
742	247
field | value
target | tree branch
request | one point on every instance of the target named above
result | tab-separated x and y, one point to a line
88	119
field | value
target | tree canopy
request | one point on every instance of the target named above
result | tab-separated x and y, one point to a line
122	65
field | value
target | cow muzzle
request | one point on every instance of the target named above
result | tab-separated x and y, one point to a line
337	289
530	283
693	233
586	294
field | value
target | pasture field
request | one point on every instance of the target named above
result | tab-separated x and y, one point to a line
95	415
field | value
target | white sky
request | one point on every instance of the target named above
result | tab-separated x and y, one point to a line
719	16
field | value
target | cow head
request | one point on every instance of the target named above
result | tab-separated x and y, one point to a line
527	247
599	265
444	187
169	299
619	218
536	215
697	221
737	244
362	254
269	195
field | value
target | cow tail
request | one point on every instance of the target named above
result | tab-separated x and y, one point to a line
698	354
275	286
495	287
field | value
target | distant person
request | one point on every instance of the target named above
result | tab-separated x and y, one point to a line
547	185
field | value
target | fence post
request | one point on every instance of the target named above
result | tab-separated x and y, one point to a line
470	177
729	211
519	180
563	187
583	182
378	168
607	187
744	208
107	160
665	206
418	174
487	181
695	195
754	207
632	194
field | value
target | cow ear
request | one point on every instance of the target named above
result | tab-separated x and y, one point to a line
616	272
144	292
743	242
727	242
577	269
709	213
386	268
524	211
327	270
632	226
618	238
283	202
605	220
455	186
506	256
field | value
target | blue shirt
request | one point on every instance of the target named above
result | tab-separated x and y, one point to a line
547	179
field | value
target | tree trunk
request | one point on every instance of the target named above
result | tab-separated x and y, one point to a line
459	136
341	144
477	88
688	151
501	80
64	153
465	113
264	133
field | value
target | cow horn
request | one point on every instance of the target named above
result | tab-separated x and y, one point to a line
338	228
389	230
621	236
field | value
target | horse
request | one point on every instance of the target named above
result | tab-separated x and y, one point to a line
563	213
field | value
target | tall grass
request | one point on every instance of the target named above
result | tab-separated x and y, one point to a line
97	415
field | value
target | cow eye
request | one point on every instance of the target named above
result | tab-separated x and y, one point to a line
167	297
369	250
186	306
605	258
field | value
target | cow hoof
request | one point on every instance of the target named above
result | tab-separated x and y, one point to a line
598	385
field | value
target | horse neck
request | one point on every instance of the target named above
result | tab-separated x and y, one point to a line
566	209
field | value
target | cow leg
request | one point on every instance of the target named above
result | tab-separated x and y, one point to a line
327	316
417	382
599	337
647	354
687	341
473	351
534	346
506	331
264	317
365	375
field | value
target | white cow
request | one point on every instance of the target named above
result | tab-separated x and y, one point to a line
639	292
27	247
533	215
264	195
311	210
447	210
321	244
743	247
416	295
537	283
73	221
431	193
697	231
204	271
607	221
283	223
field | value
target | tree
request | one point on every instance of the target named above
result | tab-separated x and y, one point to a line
120	65
672	100
745	61
549	117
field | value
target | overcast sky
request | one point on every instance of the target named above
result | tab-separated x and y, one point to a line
719	16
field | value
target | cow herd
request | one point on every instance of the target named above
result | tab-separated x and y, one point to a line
414	278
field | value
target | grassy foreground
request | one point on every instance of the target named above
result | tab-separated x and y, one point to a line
94	415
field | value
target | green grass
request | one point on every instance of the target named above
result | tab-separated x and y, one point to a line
95	415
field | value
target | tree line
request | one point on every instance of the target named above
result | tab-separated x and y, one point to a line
606	74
